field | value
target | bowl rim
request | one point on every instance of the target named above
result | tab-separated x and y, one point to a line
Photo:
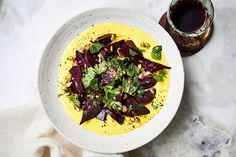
116	147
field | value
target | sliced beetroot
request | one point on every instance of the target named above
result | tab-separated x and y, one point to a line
110	50
90	110
102	115
119	97
108	76
116	115
147	82
76	76
147	97
129	49
132	45
80	60
90	59
135	109
105	39
106	52
116	45
152	66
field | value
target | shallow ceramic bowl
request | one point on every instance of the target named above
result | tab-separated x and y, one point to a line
48	72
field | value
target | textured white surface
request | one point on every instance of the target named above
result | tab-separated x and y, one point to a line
26	26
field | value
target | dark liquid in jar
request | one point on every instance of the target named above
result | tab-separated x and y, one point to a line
188	15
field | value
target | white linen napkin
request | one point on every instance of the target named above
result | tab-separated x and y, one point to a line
25	131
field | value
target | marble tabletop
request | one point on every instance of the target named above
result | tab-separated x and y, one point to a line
205	125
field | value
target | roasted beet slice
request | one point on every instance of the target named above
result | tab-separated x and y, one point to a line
76	76
119	97
80	60
135	109
108	76
106	52
147	97
139	110
147	82
90	59
105	39
90	110
129	49
152	66
102	115
116	115
110	50
116	45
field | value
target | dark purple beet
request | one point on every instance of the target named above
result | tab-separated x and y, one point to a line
106	50
76	76
116	45
80	60
152	66
108	76
90	110
125	51
105	39
90	59
116	115
119	97
147	97
137	111
134	109
147	82
102	115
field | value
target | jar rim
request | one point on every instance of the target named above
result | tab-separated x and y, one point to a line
201	30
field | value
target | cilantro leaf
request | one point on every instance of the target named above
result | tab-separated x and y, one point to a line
156	52
94	83
100	68
88	77
95	48
160	77
75	100
132	70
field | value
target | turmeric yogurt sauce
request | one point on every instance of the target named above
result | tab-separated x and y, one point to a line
110	126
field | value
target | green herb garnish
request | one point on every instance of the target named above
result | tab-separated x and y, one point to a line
140	105
154	105
132	52
156	52
95	48
160	76
100	68
74	99
94	83
88	77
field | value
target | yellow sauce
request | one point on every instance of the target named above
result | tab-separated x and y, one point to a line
110	127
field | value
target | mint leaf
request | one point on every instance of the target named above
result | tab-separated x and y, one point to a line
95	48
160	76
88	77
156	52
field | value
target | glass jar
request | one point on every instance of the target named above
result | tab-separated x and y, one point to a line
191	42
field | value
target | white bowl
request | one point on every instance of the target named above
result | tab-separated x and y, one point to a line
48	72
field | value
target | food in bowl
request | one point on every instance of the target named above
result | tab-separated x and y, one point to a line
113	78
